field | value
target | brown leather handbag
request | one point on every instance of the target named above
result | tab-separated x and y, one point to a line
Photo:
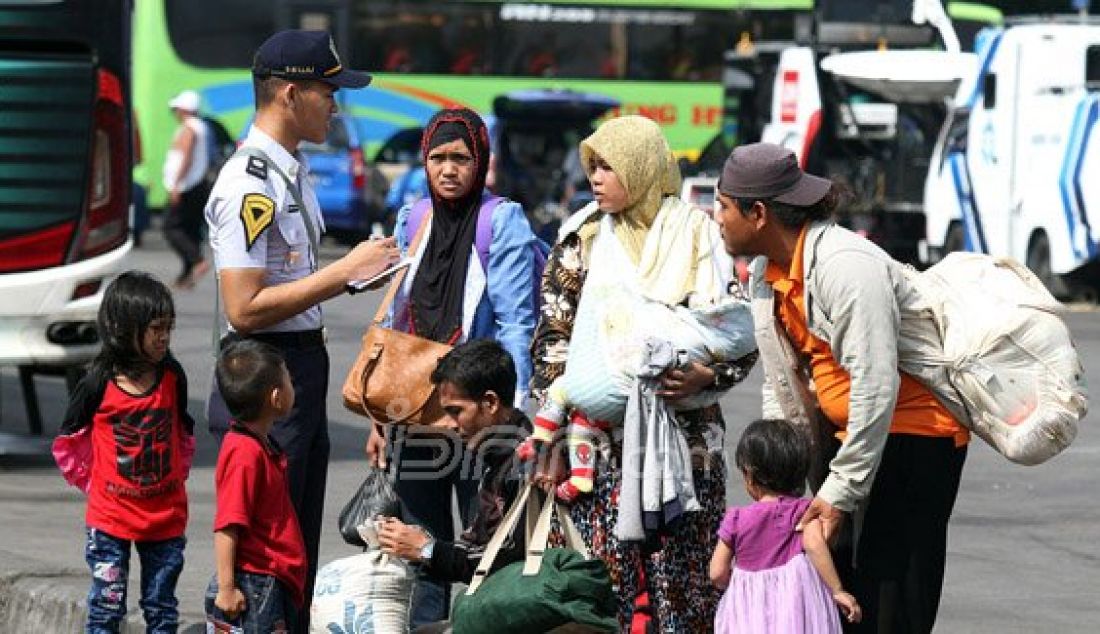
390	381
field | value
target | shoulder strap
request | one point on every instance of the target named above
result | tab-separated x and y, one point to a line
538	534
417	215
483	238
506	527
311	229
399	278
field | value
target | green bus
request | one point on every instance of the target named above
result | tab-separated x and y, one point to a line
659	59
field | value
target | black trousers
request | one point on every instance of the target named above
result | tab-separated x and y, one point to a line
183	225
897	574
303	435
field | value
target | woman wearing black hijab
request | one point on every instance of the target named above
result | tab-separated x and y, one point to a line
455	149
459	288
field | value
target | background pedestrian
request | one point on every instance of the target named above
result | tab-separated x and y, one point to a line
184	179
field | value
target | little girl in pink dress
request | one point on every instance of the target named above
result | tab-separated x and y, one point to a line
777	580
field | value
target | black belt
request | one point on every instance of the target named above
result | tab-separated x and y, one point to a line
293	339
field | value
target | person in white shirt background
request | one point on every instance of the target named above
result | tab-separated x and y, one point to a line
185	169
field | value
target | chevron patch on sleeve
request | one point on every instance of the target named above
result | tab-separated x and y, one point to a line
257	213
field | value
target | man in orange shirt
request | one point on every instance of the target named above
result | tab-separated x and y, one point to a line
829	305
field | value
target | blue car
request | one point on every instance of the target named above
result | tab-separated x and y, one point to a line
351	191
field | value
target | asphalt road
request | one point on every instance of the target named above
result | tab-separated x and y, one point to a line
1023	557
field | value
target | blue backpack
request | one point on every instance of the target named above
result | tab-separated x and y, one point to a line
484	236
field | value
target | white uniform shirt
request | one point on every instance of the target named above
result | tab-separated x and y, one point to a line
255	224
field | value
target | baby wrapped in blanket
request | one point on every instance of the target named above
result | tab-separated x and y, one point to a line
606	350
648	265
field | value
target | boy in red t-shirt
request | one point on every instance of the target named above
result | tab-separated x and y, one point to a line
258	547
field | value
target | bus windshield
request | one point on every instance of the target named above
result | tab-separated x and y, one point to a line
524	40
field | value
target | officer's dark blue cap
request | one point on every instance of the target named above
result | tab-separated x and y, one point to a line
298	54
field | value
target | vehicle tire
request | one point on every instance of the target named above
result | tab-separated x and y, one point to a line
1038	260
955	239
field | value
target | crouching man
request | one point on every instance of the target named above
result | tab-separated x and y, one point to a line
477	381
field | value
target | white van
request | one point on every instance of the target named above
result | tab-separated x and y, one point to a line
1010	174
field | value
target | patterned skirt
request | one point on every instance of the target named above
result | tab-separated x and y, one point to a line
681	596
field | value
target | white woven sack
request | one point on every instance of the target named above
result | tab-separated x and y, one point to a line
607	345
369	593
1009	355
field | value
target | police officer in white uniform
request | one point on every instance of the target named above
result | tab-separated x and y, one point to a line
264	240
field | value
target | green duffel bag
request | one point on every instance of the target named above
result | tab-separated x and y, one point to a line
554	590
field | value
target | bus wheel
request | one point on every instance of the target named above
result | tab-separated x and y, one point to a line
1038	260
955	239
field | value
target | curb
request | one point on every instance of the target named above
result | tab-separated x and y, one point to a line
35	602
36	599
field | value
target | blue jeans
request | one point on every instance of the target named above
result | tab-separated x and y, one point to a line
109	559
268	607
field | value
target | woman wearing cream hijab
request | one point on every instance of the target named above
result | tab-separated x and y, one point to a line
637	232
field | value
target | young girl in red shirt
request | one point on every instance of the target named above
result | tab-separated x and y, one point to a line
127	441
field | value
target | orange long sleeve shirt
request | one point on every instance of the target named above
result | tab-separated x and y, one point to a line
917	412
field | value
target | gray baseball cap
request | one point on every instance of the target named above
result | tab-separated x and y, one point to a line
766	171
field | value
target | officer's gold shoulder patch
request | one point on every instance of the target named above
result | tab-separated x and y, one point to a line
257	212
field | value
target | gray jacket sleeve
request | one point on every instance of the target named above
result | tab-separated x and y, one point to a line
770	402
856	296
